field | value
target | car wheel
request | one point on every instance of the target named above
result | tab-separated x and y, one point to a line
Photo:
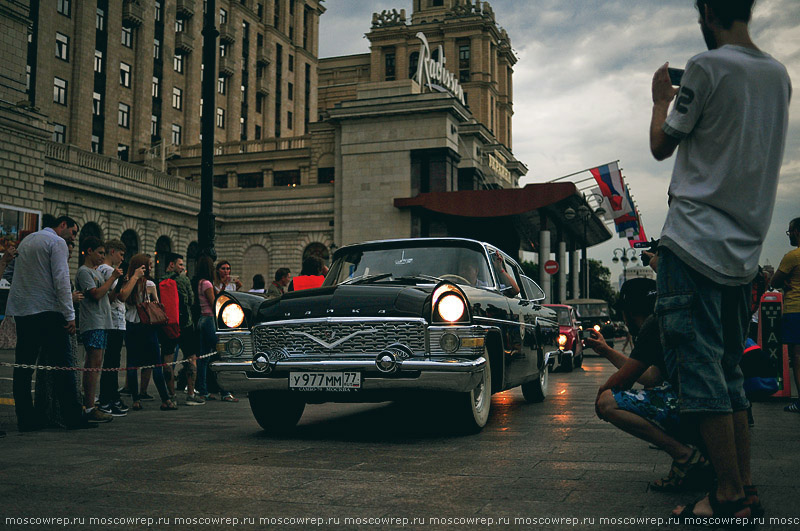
472	408
536	390
276	412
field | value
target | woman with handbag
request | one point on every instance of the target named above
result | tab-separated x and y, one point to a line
141	336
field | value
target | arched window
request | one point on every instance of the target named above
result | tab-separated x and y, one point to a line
131	241
163	247
317	249
90	229
413	64
191	258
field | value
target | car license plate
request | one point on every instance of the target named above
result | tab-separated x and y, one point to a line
325	381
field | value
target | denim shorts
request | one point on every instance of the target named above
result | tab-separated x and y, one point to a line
703	329
95	339
658	405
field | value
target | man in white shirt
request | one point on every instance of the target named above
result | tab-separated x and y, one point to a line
41	302
729	123
110	400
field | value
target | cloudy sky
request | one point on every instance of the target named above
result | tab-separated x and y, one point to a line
582	88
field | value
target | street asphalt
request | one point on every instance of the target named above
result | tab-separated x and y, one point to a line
552	465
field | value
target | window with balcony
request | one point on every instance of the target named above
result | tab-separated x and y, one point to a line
64	7
179	25
177	98
96	148
176	134
124	74
59	90
124	115
98	61
62	47
258	132
127	37
123	152
289	178
59	133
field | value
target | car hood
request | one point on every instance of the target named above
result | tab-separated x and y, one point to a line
349	301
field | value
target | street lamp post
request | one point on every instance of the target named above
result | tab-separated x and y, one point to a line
583	214
624	259
206	220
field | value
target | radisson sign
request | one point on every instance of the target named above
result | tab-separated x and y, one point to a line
433	74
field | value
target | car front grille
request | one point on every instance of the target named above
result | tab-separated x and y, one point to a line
339	336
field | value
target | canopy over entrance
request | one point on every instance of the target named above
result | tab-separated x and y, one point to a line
508	218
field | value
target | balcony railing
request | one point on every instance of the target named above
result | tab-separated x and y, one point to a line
227	32
251	146
132	13
185	9
184	42
227	66
262	85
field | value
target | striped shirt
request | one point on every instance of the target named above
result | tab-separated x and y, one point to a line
41	277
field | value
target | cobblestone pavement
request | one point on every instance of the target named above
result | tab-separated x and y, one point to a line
356	466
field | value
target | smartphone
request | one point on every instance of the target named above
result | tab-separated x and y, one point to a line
586	334
675	76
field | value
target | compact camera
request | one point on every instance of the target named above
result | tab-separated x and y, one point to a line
586	334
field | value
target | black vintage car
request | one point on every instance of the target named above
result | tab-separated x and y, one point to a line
394	319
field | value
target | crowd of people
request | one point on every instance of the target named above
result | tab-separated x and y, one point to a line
102	310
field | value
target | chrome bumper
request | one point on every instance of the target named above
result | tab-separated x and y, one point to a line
445	374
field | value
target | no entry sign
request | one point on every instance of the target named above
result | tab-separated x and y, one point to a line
551	267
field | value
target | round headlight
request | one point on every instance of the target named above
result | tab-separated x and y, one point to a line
562	340
451	308
235	346
449	342
260	362
232	315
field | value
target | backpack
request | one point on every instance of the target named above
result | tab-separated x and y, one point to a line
168	289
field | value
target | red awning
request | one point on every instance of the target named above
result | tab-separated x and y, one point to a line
491	203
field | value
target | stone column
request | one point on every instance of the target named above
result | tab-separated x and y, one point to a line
574	272
544	256
562	272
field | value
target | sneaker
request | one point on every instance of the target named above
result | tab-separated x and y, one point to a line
113	410
95	415
794	407
145	396
194	400
124	391
121	406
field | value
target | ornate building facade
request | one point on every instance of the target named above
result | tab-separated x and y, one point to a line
310	154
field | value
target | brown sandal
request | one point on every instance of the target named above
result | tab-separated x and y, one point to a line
682	476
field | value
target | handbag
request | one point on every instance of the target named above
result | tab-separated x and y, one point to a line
152	313
8	333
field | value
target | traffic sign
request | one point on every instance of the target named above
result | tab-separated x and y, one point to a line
551	267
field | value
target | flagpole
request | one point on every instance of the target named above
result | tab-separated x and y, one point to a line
577	172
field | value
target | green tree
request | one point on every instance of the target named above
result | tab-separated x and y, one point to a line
531	270
600	282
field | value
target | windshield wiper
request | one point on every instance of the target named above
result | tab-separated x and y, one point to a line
364	279
419	276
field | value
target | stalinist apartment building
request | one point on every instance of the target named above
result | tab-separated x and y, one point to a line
113	89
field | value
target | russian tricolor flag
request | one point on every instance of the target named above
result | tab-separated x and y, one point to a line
609	179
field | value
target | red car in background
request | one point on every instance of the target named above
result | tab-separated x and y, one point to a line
569	336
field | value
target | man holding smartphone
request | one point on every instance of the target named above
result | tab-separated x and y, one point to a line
729	124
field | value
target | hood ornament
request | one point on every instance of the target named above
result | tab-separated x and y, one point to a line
336	343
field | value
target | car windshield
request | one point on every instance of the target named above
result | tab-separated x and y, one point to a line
563	316
426	264
595	309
